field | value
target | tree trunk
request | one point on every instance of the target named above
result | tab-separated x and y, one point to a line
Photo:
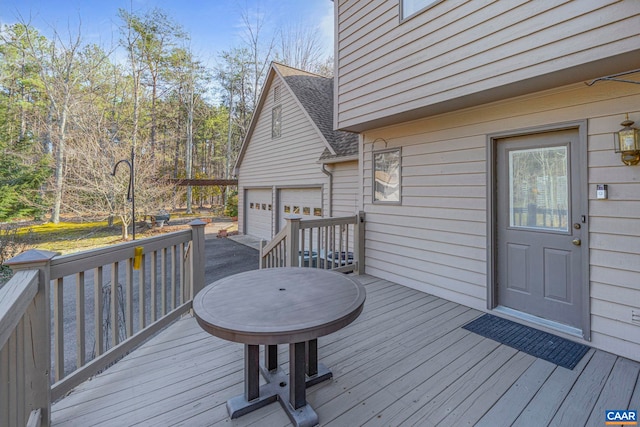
153	117
189	154
125	228
59	170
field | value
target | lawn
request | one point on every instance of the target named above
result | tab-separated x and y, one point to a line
74	235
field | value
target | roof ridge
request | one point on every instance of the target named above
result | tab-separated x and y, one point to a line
298	70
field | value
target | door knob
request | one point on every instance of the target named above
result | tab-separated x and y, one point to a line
576	242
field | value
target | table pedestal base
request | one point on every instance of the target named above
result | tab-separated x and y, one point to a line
277	388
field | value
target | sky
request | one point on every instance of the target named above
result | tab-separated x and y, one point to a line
214	25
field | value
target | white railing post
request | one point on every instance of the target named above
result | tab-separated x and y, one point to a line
198	259
293	230
358	241
38	320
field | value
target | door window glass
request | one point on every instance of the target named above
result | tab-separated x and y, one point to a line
538	188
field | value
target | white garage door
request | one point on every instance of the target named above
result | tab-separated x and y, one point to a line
306	202
259	211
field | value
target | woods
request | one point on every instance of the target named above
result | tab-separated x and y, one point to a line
70	110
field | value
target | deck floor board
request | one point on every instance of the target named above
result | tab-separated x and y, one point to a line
404	361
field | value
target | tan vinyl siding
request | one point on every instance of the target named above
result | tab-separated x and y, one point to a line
436	240
462	53
288	161
345	189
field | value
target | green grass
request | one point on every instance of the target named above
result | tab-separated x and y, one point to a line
74	236
67	237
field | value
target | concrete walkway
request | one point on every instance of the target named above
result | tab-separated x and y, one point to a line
250	241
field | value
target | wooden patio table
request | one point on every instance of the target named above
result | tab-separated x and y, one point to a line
275	306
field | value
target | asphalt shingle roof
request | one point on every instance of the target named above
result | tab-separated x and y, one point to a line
315	93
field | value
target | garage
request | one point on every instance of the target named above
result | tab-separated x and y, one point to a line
306	202
258	208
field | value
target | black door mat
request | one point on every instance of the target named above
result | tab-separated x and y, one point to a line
540	344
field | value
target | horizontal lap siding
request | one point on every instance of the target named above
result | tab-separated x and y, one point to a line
458	48
436	240
346	189
614	240
292	159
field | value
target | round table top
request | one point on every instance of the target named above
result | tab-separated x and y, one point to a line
278	305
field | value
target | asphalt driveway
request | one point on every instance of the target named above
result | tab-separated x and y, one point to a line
225	257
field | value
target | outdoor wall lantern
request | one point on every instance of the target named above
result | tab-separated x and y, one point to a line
627	142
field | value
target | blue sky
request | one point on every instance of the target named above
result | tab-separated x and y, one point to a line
214	25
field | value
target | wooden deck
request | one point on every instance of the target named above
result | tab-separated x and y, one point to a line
405	361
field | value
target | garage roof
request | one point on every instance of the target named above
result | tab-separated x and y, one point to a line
314	93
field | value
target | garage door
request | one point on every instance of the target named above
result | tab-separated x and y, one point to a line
306	202
259	210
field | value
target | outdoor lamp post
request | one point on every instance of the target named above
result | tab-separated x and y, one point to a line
627	142
131	193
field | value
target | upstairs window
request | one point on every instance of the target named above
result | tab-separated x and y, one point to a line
276	121
409	8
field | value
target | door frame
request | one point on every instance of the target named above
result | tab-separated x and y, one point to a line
582	187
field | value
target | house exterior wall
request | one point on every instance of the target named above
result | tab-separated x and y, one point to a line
462	53
345	189
288	161
436	239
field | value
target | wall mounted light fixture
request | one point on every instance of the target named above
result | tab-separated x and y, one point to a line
627	142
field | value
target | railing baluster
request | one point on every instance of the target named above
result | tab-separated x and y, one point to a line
80	321
301	247
347	246
13	375
186	282
128	314
20	372
5	392
142	308
154	285
310	248
58	327
341	248
115	339
163	280
173	277
97	308
319	246
181	266
327	250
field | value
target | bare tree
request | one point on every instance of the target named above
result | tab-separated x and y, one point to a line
94	191
150	40
189	75
61	72
260	52
301	46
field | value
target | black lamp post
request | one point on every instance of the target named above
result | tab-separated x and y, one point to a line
131	193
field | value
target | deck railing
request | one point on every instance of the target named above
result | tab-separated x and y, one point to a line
327	243
90	305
